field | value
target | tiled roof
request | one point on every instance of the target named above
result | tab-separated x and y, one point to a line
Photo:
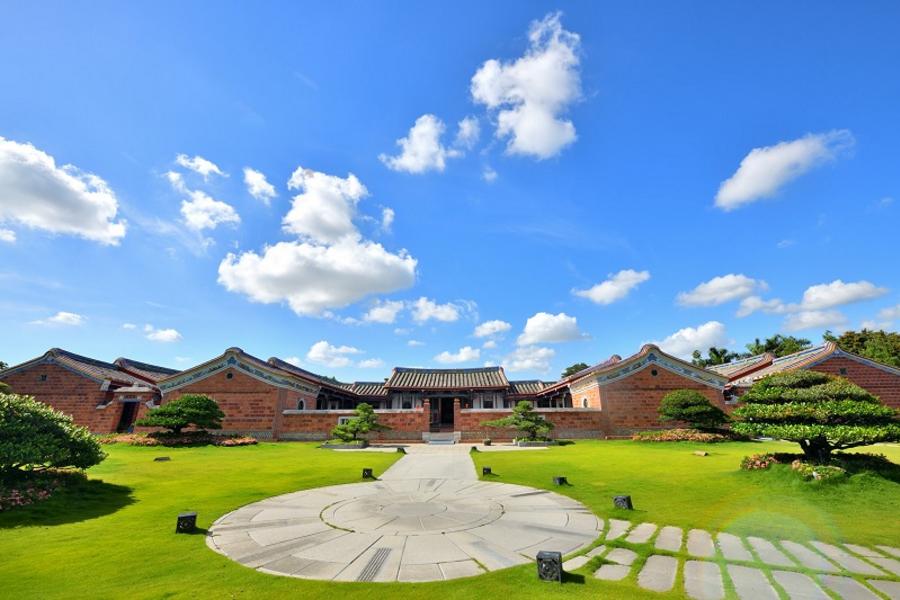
309	375
367	388
447	379
788	363
737	367
527	387
144	370
553	386
97	370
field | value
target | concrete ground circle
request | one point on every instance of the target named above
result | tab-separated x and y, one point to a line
402	530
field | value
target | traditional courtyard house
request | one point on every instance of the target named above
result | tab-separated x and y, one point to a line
627	392
333	395
878	379
102	396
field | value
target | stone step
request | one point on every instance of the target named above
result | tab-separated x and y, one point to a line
751	584
658	573
703	580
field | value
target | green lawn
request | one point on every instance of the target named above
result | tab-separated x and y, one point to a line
114	537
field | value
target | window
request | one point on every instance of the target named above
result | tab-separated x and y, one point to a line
487	403
584	403
229	375
301	404
342	420
42	377
654	372
407	404
843	370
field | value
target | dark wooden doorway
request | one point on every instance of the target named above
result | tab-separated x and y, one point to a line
446	412
129	414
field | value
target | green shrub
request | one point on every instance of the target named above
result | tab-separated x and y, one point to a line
364	422
693	408
818	472
4	388
190	410
524	419
34	436
821	412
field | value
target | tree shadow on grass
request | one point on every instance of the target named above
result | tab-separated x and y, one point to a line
79	500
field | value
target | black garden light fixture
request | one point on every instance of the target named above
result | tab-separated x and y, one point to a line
560	480
623	502
549	566
367	473
486	471
187	522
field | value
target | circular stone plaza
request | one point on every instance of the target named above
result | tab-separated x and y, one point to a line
427	518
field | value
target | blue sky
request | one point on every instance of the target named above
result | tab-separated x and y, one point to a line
702	173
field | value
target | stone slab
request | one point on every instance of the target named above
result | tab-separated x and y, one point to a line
888	564
843	558
891	589
612	572
890	550
808	558
420	572
732	547
700	543
751	584
596	551
658	573
848	588
670	538
462	568
799	586
863	550
576	563
622	556
617	528
703	580
769	553
641	534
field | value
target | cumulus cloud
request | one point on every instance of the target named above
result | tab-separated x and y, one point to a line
719	290
8	236
39	194
258	186
890	313
414	343
531	93
489	328
294	360
62	318
166	336
201	211
129	326
468	133
489	345
424	309
616	287
545	328
684	341
752	304
370	363
200	165
837	293
324	209
489	174
464	354
814	319
384	312
529	358
323	353
764	171
387	218
421	150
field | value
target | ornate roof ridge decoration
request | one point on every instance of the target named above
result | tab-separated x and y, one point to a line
648	355
309	375
743	366
123	362
565	381
100	371
246	363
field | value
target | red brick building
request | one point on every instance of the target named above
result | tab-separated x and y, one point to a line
104	397
878	379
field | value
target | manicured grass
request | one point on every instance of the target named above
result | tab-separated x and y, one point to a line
671	486
114	537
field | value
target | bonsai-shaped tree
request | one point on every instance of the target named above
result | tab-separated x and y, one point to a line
524	419
34	436
198	410
821	412
365	421
693	408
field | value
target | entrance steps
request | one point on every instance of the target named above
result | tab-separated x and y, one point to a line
447	438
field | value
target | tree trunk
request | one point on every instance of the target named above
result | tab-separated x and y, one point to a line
817	450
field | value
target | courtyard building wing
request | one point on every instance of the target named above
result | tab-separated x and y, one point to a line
146	371
484	378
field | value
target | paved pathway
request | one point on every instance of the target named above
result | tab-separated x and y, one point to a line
427	518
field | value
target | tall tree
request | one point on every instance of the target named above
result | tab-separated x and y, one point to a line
880	346
572	369
3	365
716	356
779	345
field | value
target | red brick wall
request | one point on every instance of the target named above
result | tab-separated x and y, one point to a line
632	403
876	381
568	422
405	425
68	392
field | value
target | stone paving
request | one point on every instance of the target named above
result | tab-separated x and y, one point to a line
410	525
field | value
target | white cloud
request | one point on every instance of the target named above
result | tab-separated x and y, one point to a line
786	243
751	304
201	211
293	360
529	358
531	93
129	326
258	186
384	312
544	328
837	293
165	336
8	236
323	353
387	218
61	318
489	328
719	290
684	341
764	171
324	209
421	149
814	319
489	174
313	278
464	354
414	343
489	345
370	363
616	287
425	309
38	194
468	133
889	313
200	165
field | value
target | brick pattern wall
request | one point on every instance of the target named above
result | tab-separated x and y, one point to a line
568	422
405	425
68	392
876	381
632	403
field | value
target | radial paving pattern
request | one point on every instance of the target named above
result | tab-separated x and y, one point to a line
402	530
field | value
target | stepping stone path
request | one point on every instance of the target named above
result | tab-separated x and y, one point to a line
846	587
658	573
891	589
769	554
703	580
617	528
798	585
669	538
700	543
732	548
641	534
751	584
890	550
808	558
851	563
